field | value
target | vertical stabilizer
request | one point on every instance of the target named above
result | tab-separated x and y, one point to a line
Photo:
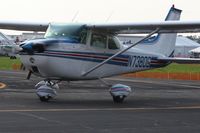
166	43
163	43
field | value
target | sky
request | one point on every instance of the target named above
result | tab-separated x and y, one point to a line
95	11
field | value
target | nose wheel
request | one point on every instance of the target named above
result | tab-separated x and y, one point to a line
46	90
45	98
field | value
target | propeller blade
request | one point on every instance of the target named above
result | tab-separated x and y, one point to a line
22	67
29	75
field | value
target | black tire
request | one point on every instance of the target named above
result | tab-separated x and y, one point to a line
45	99
13	57
118	99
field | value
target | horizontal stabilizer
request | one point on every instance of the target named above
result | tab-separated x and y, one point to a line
182	60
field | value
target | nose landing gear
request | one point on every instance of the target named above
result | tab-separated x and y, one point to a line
46	90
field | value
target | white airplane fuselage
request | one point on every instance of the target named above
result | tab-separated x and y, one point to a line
68	61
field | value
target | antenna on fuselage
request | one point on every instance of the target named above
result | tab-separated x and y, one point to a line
75	16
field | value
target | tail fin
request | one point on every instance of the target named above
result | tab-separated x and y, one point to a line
166	43
173	14
163	43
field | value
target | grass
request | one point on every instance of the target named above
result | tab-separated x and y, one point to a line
6	63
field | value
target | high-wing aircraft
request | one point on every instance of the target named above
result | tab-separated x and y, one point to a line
71	52
8	47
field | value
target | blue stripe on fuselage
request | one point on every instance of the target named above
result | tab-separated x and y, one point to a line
121	60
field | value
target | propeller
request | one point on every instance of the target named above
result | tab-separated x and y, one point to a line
29	75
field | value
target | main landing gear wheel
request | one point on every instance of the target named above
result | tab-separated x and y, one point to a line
119	92
118	99
45	98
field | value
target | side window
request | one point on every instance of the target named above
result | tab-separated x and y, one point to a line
98	41
83	36
111	44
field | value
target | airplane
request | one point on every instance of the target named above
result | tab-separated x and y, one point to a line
72	52
7	47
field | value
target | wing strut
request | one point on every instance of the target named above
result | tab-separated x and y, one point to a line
120	52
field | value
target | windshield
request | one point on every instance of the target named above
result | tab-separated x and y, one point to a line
67	31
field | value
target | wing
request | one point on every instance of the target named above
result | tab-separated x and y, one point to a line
136	28
116	28
24	26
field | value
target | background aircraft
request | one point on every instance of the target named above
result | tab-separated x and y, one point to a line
8	47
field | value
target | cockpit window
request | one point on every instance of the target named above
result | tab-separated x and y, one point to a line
98	41
112	44
75	32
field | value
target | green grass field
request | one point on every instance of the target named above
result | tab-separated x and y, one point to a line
6	64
